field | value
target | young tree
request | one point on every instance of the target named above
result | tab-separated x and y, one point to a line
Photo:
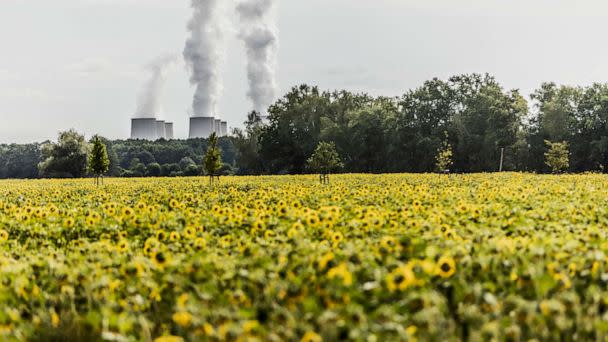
325	160
212	162
443	160
98	160
558	156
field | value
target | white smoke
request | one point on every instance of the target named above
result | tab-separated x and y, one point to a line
149	99
259	33
204	54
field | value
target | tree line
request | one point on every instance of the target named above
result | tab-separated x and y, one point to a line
69	156
469	118
473	114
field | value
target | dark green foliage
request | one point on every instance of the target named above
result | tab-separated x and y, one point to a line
66	158
192	170
246	144
20	161
153	170
212	162
99	163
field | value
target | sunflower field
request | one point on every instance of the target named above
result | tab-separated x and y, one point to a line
366	258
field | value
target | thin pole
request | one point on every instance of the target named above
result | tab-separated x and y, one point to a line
502	157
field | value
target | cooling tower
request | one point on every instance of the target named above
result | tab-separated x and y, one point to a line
168	130
224	129
160	129
201	127
143	129
218	127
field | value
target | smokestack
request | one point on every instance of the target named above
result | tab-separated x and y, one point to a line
224	129
144	128
168	130
218	127
160	129
204	54
260	35
149	98
201	127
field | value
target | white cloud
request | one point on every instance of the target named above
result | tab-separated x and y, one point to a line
30	94
90	67
98	68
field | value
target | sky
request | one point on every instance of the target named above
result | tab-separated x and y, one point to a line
81	63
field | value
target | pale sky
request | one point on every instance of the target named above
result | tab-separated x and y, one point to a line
80	63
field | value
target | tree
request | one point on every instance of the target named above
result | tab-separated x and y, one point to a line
247	145
66	158
325	160
212	162
153	170
98	160
444	156
557	157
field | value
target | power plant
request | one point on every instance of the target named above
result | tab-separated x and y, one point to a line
151	129
204	55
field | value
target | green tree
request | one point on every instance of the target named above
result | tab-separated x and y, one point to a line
99	163
247	145
212	162
558	156
325	160
153	170
65	159
443	160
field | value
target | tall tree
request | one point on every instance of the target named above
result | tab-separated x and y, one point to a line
99	163
247	145
66	158
294	128
212	163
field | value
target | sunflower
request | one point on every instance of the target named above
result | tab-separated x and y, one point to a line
336	238
182	318
446	267
160	258
311	336
312	220
161	235
226	241
389	243
563	280
250	325
258	225
325	260
200	244
401	278
127	212
122	246
269	234
189	233
169	338
174	204
174	236
341	271
3	235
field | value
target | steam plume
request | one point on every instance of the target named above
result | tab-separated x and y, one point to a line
259	33
149	99
204	54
